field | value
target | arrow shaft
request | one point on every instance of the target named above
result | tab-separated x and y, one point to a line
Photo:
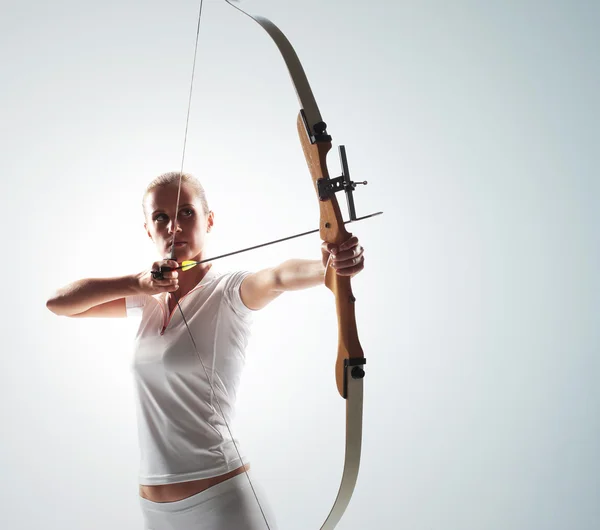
302	234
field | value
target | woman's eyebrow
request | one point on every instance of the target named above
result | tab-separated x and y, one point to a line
160	210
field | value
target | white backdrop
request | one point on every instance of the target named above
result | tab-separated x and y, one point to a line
476	124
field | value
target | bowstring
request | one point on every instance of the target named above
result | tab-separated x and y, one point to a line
187	124
208	378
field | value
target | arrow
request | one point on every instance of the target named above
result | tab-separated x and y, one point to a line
187	265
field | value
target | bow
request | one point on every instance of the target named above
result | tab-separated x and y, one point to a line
349	372
349	366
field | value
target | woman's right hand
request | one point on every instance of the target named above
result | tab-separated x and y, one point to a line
169	283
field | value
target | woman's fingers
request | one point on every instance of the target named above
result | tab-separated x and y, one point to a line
347	258
169	281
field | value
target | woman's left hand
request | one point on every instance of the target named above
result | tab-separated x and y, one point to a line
347	259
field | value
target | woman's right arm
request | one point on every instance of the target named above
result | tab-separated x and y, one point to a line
105	297
95	297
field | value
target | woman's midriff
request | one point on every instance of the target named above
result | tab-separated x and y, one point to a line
183	490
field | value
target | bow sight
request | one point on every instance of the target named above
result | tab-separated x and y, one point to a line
326	188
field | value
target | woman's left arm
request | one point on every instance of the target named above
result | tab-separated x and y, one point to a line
262	287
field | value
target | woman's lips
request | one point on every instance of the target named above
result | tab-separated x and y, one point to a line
180	243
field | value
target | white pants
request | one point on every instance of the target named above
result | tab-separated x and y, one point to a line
230	505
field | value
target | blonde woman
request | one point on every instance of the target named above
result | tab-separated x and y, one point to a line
192	472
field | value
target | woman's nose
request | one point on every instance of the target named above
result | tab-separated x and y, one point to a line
174	227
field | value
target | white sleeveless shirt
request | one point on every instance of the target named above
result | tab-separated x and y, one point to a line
181	431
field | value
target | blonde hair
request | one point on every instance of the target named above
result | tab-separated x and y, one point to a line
172	177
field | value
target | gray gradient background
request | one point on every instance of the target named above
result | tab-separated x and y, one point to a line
476	124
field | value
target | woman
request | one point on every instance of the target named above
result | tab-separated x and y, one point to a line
188	359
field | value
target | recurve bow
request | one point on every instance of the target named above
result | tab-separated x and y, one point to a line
349	366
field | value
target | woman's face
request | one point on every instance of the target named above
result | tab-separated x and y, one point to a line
192	222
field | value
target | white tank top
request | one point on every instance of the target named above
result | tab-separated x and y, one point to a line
181	431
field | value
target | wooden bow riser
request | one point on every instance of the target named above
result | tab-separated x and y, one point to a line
332	230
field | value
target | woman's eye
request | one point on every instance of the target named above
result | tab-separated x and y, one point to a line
161	218
187	212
